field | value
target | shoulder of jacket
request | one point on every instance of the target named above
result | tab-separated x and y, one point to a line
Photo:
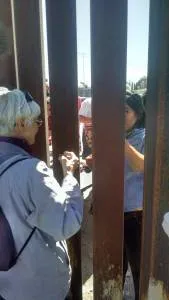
37	166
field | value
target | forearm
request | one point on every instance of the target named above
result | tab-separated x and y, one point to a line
134	157
89	161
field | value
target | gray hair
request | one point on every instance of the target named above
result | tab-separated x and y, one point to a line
14	106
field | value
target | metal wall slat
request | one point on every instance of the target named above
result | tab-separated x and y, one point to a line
27	15
62	50
155	258
109	44
7	63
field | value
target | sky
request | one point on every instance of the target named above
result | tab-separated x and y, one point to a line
137	44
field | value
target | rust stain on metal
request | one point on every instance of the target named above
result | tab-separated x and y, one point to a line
157	290
112	289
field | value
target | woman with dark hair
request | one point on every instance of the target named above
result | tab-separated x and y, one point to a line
134	177
133	181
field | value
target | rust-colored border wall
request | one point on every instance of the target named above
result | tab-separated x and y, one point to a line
7	62
29	53
155	260
109	44
62	49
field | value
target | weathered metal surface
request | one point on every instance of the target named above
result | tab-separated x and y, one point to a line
7	63
155	258
109	43
61	28
29	53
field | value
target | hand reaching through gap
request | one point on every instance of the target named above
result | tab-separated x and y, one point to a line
69	162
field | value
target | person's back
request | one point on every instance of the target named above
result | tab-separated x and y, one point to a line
31	197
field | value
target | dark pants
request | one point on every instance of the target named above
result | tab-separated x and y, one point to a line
132	247
1	298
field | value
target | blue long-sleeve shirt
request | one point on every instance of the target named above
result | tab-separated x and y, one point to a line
134	181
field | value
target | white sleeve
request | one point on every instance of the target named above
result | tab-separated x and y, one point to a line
85	109
57	210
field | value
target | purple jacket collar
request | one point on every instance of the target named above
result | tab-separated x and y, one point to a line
17	142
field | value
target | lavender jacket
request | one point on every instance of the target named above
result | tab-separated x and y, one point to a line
30	196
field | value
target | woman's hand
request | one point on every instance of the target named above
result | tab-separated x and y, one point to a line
86	164
89	161
82	165
69	162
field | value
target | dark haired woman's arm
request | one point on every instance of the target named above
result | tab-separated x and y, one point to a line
134	157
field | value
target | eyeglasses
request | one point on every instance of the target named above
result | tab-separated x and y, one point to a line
28	96
39	122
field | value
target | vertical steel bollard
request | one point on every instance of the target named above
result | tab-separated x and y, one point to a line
7	61
109	44
62	49
155	258
29	56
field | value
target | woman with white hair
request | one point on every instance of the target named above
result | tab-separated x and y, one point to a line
85	118
33	202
